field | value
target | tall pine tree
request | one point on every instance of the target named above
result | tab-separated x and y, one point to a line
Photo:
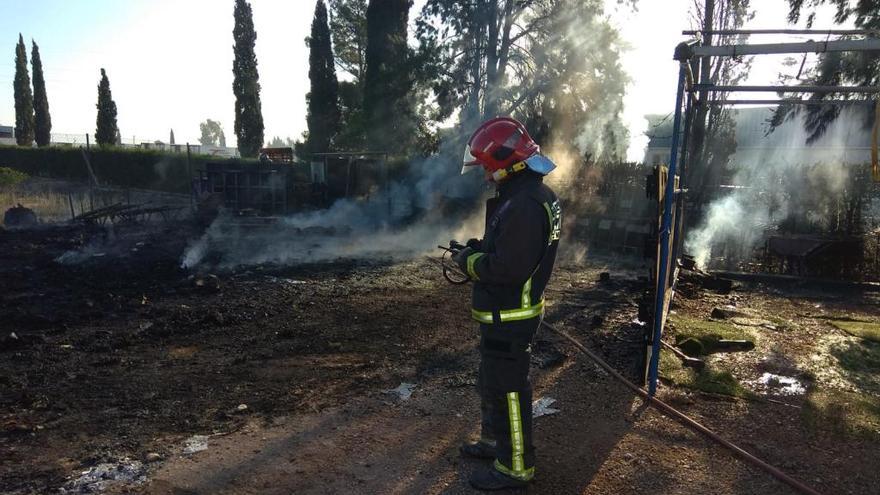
348	30
348	26
388	81
42	120
246	83
323	99
24	99
107	130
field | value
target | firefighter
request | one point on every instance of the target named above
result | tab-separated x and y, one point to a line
510	267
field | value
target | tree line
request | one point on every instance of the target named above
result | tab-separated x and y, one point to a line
33	123
32	119
552	63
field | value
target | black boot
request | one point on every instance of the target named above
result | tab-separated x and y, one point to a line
491	480
480	449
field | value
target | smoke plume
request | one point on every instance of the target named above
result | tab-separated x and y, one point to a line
430	205
782	181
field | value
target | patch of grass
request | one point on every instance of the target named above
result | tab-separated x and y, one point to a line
708	380
707	332
843	412
10	177
858	357
863	329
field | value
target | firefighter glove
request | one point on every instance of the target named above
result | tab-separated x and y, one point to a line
474	244
461	257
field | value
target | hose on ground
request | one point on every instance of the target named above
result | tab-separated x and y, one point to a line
684	419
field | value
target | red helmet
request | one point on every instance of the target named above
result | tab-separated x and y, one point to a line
498	144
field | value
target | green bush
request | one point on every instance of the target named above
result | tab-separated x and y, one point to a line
144	169
10	177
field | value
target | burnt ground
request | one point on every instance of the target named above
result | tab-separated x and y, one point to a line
121	358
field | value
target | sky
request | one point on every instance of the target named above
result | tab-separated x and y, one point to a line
169	61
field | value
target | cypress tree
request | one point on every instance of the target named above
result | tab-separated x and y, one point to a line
171	137
107	131
246	83
323	98
24	99
42	120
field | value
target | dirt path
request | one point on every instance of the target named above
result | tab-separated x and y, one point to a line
601	442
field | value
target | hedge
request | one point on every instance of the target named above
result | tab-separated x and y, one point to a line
137	168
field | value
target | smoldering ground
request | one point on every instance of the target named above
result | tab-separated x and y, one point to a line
430	205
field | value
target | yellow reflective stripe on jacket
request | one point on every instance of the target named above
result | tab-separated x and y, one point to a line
524	475
549	217
554	226
470	265
527	293
482	316
510	314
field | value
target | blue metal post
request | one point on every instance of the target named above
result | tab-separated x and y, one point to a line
669	198
683	163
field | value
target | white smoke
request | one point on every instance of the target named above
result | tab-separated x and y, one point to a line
779	179
404	222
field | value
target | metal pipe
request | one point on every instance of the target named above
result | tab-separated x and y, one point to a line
683	418
664	233
817	32
685	161
792	102
803	47
786	89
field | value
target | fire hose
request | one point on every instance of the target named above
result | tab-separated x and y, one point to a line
663	407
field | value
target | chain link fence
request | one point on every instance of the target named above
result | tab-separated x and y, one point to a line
76	140
80	139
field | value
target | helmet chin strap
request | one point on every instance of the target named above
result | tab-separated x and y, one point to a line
501	174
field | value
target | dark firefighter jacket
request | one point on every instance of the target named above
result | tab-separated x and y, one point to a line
514	261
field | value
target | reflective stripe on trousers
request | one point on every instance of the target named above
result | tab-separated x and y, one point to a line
517	470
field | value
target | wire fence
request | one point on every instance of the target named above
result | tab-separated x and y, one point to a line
77	140
81	139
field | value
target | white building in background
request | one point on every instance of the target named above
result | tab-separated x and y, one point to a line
846	141
7	135
196	149
659	140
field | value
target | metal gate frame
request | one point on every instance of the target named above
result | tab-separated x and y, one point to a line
690	55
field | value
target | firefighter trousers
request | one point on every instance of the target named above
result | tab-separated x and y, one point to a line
506	394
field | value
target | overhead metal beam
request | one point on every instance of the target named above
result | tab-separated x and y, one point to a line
817	32
803	47
786	89
792	102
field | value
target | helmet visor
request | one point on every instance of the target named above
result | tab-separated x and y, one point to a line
468	161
